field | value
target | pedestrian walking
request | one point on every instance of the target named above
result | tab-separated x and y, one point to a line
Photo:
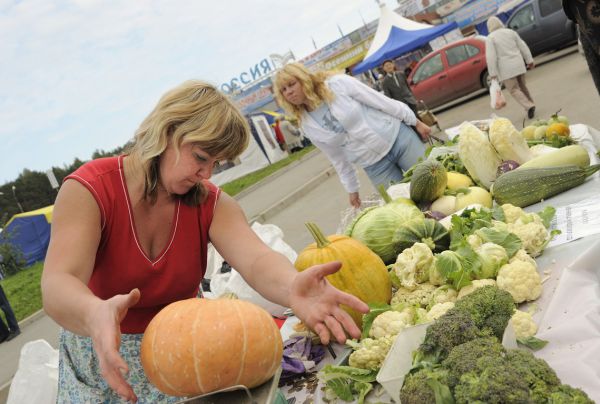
508	58
130	235
396	86
353	125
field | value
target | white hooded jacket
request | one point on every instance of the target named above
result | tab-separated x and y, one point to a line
371	122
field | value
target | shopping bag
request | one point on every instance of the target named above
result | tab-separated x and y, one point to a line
497	98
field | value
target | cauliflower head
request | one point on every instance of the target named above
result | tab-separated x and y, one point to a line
533	234
474	241
521	279
371	353
492	257
478	283
413	264
438	310
522	255
421	296
523	324
511	212
443	294
390	323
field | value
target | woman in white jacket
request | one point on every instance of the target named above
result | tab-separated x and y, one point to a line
352	124
508	58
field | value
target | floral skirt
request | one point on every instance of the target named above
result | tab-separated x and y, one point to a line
80	381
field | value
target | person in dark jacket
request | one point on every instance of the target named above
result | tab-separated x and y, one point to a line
395	86
586	13
13	325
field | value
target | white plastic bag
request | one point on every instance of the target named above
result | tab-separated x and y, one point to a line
497	98
36	380
232	282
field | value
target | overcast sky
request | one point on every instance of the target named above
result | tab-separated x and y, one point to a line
80	75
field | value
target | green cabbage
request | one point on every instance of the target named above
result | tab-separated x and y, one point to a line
375	227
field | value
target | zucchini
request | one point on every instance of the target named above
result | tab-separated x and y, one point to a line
574	155
524	187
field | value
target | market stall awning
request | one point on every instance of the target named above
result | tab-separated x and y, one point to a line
397	35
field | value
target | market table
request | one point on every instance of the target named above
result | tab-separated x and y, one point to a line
568	311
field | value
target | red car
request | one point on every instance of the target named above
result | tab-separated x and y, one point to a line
448	73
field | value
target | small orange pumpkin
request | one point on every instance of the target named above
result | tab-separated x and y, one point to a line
363	273
196	346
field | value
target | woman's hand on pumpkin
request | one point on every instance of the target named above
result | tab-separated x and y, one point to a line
423	130
317	303
354	199
106	338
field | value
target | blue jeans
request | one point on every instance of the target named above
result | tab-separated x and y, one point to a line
405	153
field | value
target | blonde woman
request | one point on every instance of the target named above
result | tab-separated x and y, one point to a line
130	235
352	124
508	57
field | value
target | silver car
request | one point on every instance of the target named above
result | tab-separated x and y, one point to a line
543	25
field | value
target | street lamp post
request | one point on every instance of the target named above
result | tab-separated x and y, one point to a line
16	199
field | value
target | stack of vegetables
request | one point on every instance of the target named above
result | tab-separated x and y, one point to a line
499	164
434	264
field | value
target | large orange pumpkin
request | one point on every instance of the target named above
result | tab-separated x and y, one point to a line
196	346
363	273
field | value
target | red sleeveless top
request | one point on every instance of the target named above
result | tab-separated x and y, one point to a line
122	265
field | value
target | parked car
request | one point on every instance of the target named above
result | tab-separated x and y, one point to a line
543	25
448	73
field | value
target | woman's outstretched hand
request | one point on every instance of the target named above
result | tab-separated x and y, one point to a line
317	303
106	338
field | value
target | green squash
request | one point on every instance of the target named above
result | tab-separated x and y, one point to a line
427	231
428	181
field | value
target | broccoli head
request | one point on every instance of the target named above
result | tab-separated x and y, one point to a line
490	307
496	384
422	386
472	356
565	394
452	329
535	371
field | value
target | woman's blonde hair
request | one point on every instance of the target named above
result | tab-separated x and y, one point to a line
494	23
193	112
313	85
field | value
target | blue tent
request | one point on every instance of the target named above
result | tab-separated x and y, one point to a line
30	233
399	40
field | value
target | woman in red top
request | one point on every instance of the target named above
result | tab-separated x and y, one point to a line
130	235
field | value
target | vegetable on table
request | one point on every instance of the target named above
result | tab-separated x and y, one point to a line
363	273
445	204
427	231
478	154
413	265
472	196
521	280
508	141
347	382
181	356
575	155
524	187
457	181
375	226
428	181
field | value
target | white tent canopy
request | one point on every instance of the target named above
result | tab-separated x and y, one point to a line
387	20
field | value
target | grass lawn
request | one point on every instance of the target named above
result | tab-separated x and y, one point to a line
23	289
238	185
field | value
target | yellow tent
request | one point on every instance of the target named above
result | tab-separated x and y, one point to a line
46	211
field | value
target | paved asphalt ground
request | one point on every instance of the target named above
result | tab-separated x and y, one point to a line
309	190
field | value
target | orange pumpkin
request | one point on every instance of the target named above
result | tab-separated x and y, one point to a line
363	273
196	346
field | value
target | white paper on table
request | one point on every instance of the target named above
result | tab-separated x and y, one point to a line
576	220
